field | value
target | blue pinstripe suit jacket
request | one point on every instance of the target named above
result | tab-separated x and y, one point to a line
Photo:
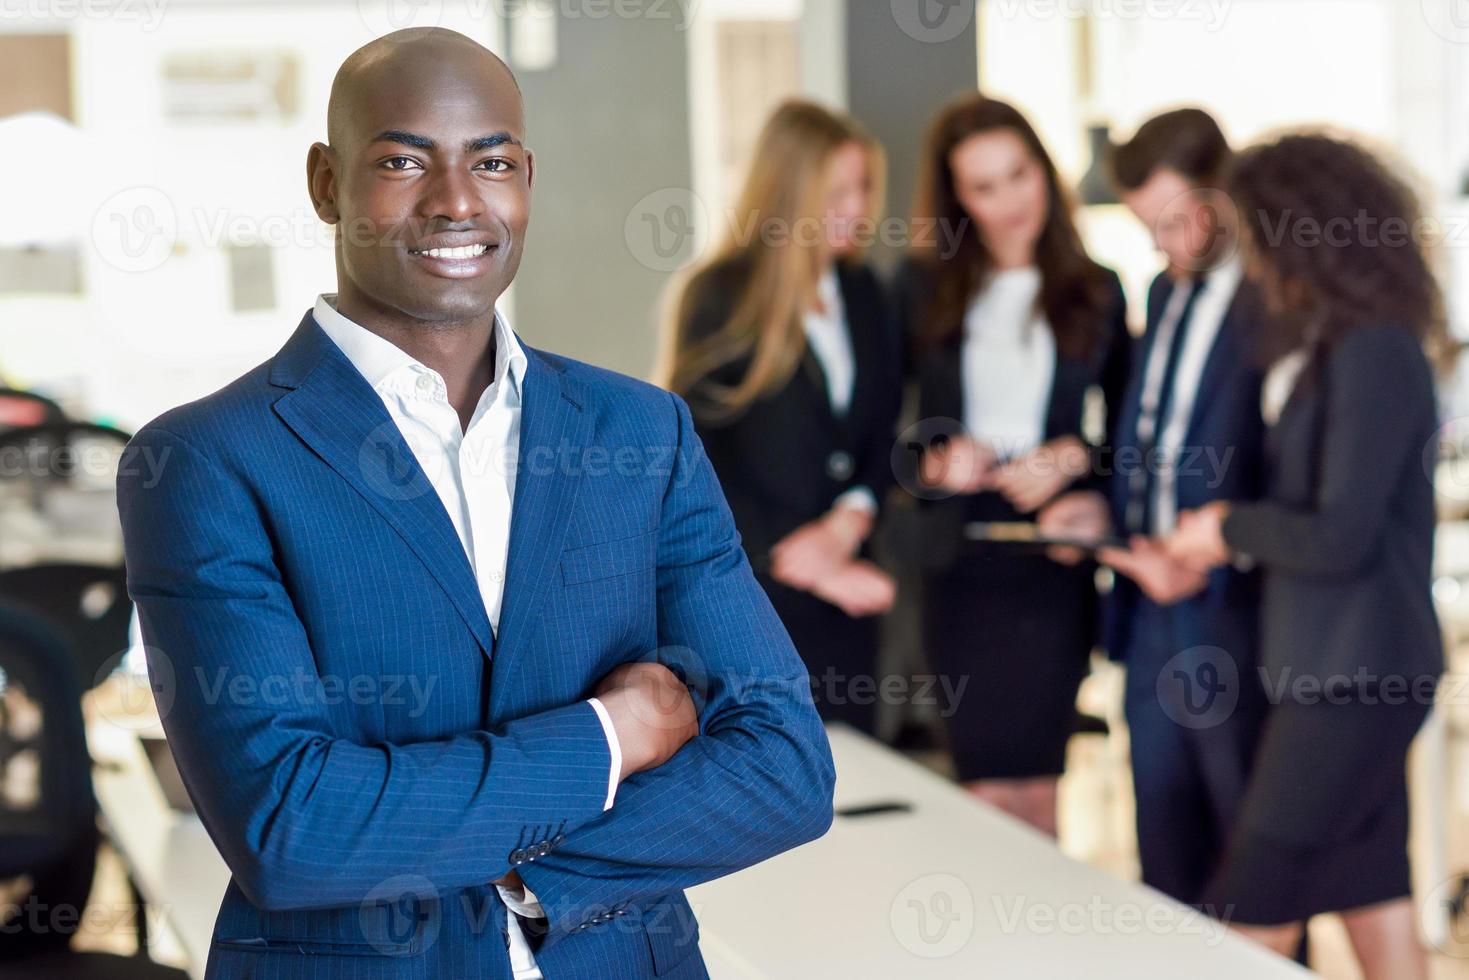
369	757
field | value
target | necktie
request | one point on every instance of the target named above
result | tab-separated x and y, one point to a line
1153	417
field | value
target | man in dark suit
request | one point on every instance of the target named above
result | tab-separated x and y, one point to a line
1190	432
406	500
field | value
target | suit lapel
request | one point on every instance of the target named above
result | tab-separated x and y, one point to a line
555	430
333	409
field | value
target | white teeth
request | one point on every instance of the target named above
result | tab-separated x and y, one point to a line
462	252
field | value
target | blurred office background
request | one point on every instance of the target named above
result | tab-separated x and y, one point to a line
156	239
156	235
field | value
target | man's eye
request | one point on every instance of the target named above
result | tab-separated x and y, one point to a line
400	163
498	165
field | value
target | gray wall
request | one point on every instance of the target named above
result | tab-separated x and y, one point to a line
904	59
608	124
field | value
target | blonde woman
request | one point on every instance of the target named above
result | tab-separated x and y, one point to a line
782	345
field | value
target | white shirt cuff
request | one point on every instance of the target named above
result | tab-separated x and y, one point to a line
858	498
522	901
613	745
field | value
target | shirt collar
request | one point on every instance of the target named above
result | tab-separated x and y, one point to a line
377	358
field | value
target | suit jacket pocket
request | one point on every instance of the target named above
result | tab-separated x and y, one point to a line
316	947
607	559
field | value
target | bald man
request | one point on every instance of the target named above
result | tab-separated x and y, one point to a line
453	639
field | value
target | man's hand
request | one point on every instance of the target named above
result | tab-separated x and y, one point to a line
1079	516
651	712
818	548
1162	578
858	588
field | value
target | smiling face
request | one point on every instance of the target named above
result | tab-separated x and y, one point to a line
427	179
1002	188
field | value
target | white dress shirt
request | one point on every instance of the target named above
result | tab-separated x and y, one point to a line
829	336
1007	363
472	469
1218	290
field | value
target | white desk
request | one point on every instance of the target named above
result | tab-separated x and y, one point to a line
171	858
951	888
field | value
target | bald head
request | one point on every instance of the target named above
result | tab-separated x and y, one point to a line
428	179
411	57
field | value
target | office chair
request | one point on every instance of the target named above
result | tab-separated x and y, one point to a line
19	409
87	604
48	822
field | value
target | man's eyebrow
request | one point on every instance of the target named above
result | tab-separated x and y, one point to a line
489	142
407	139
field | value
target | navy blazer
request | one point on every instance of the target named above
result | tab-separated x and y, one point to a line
368	756
1222	460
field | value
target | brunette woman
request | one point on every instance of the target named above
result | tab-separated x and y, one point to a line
1351	650
1014	329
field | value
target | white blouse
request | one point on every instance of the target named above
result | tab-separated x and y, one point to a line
831	342
1007	363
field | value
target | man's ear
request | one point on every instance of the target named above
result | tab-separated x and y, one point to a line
321	182
530	169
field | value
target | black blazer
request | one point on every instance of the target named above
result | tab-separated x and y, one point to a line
939	378
788	456
1345	530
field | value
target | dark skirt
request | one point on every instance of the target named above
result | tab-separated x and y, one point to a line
1324	823
1016	630
840	654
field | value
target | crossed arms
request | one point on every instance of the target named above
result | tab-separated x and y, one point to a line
307	819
